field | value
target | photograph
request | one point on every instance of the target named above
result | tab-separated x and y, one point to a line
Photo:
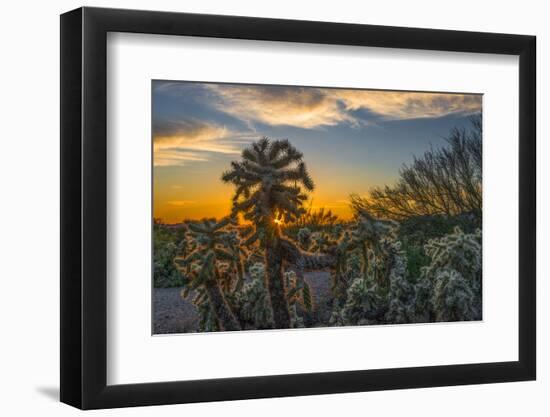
288	207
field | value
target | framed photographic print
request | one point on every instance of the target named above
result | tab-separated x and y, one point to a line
257	207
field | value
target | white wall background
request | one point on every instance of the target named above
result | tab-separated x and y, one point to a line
29	225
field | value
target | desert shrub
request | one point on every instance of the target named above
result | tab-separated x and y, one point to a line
416	231
167	244
416	260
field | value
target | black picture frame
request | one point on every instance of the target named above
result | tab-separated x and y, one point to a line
84	207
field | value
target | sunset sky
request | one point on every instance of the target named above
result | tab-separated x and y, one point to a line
352	140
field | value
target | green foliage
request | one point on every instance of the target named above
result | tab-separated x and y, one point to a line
416	260
418	230
167	244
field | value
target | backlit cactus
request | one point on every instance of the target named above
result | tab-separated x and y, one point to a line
453	297
204	266
450	286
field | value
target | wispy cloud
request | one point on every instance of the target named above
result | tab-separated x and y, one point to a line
310	108
186	140
395	105
292	106
175	156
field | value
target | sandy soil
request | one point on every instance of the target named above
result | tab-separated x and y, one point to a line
172	314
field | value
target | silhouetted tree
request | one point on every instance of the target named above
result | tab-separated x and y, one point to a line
445	181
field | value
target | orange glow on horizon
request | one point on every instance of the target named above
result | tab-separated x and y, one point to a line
172	211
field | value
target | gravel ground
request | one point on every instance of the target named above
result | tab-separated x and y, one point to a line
172	314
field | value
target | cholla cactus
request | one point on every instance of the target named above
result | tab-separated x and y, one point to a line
450	286
367	235
458	251
321	242
337	317
304	238
423	305
363	305
296	321
271	180
205	262
252	300
453	298
367	302
401	292
346	268
207	317
257	271
353	264
298	291
238	253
